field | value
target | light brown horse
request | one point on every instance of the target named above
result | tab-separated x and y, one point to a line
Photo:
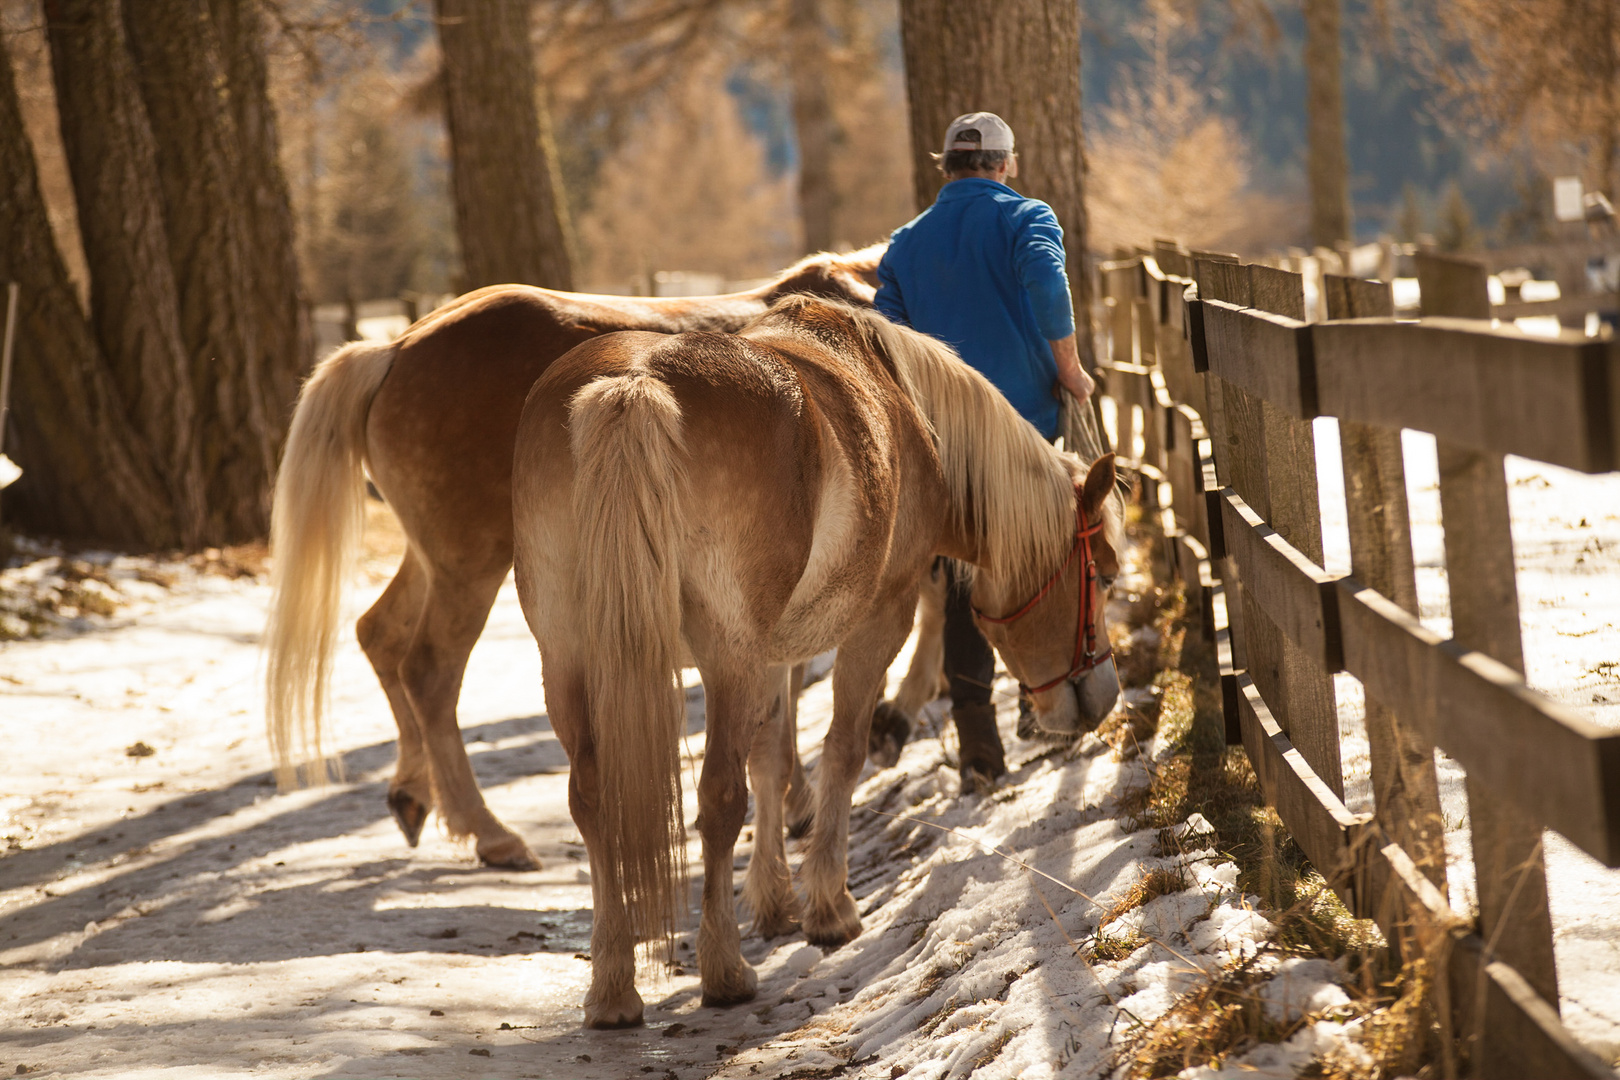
431	417
751	500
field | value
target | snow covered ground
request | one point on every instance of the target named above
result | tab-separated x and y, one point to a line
1566	539
163	912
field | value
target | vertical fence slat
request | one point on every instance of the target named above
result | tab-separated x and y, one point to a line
1406	790
1509	868
1294	683
1218	277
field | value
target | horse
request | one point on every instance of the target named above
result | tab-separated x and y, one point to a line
743	502
431	417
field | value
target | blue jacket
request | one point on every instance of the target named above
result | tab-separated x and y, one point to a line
982	269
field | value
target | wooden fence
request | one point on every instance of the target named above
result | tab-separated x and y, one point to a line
1228	375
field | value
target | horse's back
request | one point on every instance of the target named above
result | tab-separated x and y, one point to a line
792	461
441	428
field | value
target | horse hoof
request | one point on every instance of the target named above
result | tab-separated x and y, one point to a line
508	853
779	924
739	986
625	1013
836	927
410	814
890	730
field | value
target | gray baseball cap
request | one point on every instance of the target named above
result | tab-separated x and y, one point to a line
978	131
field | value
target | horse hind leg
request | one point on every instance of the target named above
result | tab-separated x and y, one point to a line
800	801
612	1000
768	889
738	705
831	916
453	616
892	721
385	633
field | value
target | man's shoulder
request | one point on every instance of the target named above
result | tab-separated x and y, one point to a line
1022	208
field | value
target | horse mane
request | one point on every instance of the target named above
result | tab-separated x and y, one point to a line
850	276
1012	489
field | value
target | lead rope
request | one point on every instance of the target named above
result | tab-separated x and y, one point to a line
1081	433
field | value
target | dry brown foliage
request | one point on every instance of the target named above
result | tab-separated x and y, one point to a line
1542	72
1163	162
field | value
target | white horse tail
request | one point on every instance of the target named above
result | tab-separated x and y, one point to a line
315	527
626	438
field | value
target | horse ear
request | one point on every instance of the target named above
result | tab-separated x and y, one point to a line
1098	486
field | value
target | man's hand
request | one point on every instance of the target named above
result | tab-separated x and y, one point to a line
1071	376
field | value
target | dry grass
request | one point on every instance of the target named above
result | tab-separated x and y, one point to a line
1111	950
1150	886
993	1051
1201	774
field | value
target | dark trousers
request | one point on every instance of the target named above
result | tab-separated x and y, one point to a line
970	663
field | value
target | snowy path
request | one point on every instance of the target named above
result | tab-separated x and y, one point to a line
170	915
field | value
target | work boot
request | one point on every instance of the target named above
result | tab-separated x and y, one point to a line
983	762
890	730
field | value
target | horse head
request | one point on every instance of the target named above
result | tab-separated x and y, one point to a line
1055	641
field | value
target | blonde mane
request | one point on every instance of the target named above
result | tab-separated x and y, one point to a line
850	276
863	261
1011	488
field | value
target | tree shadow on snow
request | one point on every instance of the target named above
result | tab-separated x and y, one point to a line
186	887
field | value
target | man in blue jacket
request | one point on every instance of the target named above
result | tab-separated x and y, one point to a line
983	270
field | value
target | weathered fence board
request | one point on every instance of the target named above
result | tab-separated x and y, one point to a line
1491	389
1315	815
1546	760
1231	359
1297	596
1509	865
1260	352
1271	464
1406	788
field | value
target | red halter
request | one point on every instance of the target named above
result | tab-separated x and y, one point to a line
1086	656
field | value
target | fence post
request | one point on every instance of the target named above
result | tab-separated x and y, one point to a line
1406	791
1508	864
1219	277
1272	466
12	289
1122	282
1301	693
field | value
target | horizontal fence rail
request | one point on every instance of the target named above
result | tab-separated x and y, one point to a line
1217	374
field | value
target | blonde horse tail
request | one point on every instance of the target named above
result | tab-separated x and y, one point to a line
315	526
626	439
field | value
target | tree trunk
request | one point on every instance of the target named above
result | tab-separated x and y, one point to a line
813	122
178	67
1328	167
286	340
510	216
1019	59
87	470
134	302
